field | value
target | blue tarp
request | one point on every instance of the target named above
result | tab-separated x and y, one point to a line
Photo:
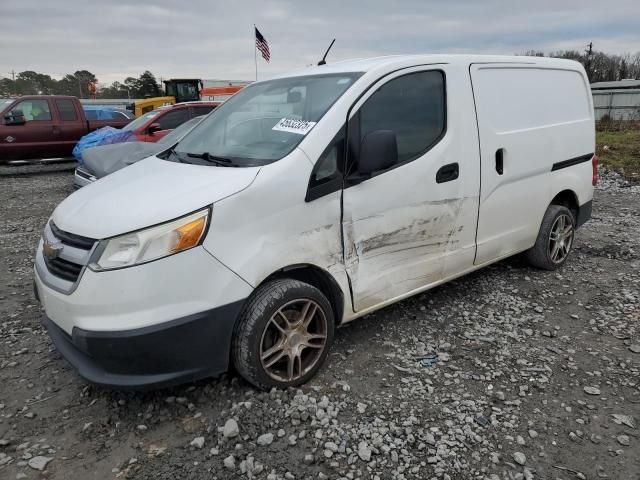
102	136
99	112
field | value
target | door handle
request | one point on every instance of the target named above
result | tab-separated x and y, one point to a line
449	172
500	161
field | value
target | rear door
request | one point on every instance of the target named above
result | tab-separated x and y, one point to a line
34	138
412	224
528	118
70	127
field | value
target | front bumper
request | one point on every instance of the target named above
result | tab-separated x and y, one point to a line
179	351
82	178
157	324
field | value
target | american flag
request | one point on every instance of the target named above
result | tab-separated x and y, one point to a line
262	45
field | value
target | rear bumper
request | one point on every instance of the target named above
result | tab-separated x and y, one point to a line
178	351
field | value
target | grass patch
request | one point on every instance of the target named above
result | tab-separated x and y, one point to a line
618	147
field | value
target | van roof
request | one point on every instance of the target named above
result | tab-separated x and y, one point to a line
375	63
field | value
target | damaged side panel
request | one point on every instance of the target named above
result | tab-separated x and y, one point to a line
404	248
273	229
414	225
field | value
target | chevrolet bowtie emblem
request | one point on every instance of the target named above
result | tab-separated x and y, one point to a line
52	250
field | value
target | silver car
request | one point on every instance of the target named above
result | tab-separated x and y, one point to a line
105	159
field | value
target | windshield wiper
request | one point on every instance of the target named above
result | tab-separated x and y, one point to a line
220	161
167	154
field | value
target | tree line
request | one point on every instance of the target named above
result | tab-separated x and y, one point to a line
77	84
600	66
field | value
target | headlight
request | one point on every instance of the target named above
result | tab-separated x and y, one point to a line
152	243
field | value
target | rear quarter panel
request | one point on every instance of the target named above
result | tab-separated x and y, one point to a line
578	178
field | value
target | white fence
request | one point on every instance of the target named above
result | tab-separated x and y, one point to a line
617	104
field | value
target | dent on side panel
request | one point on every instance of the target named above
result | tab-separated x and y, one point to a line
402	249
269	227
283	238
320	246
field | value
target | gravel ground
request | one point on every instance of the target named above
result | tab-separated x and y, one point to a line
507	373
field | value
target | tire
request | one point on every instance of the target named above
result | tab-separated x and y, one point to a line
271	329
544	253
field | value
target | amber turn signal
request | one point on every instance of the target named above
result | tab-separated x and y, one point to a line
190	234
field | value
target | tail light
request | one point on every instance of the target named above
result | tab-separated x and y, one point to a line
594	164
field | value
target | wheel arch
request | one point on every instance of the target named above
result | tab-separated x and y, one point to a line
568	198
317	277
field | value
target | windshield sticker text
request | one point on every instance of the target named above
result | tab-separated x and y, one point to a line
301	127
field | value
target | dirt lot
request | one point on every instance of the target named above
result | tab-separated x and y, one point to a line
507	373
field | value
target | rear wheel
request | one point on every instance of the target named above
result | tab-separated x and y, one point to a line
283	334
555	239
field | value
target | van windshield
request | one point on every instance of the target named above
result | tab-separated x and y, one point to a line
263	122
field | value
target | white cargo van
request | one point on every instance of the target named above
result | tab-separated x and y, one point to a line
309	200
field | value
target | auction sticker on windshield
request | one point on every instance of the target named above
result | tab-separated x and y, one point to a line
291	125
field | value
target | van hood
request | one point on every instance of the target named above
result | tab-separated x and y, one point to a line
149	192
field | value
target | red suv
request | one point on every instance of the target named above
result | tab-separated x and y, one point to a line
152	126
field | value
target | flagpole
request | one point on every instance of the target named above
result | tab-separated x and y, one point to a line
255	54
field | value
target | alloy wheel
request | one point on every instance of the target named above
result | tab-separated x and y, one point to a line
561	238
293	340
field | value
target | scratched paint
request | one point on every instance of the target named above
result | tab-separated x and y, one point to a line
401	249
318	246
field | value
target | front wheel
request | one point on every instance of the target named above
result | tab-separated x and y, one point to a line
555	239
283	334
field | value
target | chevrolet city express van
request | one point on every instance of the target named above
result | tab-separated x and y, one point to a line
309	200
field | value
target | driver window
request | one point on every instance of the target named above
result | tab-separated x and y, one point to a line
413	107
33	110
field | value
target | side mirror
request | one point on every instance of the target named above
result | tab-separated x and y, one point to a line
15	118
378	151
153	128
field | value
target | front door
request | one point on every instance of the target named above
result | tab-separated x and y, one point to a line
412	224
34	138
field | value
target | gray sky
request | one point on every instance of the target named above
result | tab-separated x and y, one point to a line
214	39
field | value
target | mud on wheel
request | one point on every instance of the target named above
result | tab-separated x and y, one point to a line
283	334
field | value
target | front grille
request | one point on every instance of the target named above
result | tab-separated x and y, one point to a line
66	263
72	239
84	174
64	269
